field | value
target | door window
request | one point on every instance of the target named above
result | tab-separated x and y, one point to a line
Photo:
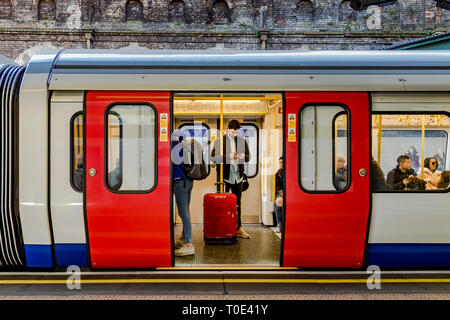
324	148
131	148
76	133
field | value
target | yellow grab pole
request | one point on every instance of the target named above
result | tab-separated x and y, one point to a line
221	143
335	148
264	178
423	146
273	153
380	117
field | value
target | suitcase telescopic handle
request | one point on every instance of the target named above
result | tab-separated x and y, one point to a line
219	183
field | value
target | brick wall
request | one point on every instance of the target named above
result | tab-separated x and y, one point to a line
28	26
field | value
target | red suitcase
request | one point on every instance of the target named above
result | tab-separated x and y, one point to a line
219	218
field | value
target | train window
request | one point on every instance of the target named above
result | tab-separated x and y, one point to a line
115	149
76	157
410	152
340	140
324	148
201	133
250	133
131	148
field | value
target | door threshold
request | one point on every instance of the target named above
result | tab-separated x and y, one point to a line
226	267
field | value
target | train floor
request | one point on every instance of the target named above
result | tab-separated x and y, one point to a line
263	249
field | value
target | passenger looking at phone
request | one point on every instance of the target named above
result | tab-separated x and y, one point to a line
235	154
182	188
403	177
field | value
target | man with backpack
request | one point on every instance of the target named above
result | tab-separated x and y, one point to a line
182	187
188	164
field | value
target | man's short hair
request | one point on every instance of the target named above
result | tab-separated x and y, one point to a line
234	124
402	158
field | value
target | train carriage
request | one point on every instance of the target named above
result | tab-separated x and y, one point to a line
86	156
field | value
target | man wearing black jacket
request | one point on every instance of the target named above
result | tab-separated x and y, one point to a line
399	177
235	155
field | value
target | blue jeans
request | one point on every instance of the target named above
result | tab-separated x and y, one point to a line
278	212
182	189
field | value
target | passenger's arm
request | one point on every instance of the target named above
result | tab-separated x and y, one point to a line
216	158
393	184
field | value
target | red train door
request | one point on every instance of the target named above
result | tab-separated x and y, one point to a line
128	179
327	179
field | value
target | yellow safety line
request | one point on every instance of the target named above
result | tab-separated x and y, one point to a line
221	144
422	162
298	281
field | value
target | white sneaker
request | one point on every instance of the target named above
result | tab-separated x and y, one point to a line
185	251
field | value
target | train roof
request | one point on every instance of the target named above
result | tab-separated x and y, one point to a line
244	70
6	61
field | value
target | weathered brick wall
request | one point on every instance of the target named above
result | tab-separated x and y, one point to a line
28	26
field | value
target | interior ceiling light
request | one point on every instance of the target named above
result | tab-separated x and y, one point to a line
362	4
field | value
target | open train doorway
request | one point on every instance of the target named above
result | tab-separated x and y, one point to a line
205	118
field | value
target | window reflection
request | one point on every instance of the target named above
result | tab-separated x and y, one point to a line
410	152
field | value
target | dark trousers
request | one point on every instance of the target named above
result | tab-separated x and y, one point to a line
237	190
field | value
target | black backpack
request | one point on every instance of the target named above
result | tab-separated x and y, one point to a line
194	162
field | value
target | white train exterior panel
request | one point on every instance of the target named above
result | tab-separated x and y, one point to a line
66	203
410	217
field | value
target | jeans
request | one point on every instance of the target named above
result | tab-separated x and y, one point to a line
278	213
237	190
182	189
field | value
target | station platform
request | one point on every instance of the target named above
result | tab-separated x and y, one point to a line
274	283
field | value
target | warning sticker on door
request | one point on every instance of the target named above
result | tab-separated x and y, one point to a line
291	135
163	120
292	122
163	134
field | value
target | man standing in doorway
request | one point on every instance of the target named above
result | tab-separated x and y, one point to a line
235	155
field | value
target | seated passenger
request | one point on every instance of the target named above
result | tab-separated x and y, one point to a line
340	179
402	177
78	178
444	182
378	181
430	174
